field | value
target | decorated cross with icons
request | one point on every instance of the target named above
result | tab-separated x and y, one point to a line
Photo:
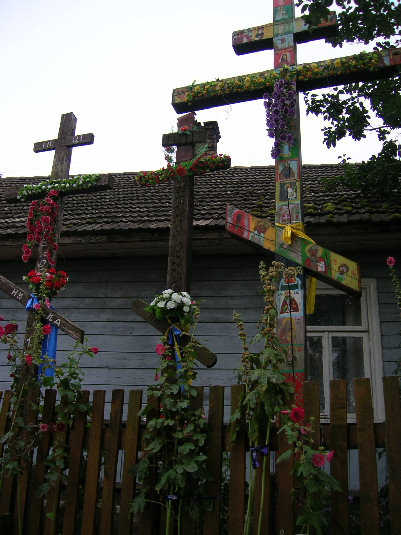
286	238
196	154
48	241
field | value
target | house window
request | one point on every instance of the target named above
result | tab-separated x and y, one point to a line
344	342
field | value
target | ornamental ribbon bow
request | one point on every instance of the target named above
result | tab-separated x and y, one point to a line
298	230
173	339
49	342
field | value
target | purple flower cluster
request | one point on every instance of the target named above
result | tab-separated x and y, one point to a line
280	109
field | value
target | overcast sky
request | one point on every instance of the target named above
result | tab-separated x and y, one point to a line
115	64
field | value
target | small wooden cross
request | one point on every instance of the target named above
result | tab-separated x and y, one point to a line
282	35
180	242
62	146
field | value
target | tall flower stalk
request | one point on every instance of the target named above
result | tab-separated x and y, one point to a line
265	390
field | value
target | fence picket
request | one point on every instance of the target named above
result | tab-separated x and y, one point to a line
112	441
130	446
214	462
35	504
367	458
77	436
339	463
393	441
236	508
93	464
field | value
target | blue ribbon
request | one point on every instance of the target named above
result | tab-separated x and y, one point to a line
173	339
254	456
49	342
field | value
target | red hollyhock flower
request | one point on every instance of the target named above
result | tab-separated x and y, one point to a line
43	427
318	460
95	350
2	331
297	414
46	329
10	328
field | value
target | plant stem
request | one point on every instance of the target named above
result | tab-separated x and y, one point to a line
168	514
247	525
262	493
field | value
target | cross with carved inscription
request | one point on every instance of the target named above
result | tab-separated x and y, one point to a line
62	146
192	138
297	249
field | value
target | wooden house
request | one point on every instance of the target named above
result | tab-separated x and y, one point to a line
114	248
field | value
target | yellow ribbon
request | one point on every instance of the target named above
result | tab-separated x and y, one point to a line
294	228
298	230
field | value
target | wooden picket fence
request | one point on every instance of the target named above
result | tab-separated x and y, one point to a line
96	498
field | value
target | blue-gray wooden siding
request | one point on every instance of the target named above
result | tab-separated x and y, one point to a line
98	298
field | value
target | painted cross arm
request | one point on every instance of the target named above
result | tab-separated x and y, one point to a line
47	313
104	182
261	37
203	355
69	141
318	262
362	67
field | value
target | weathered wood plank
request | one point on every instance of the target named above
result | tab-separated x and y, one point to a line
35	504
339	464
393	442
7	484
77	434
214	462
130	447
204	355
110	465
369	507
93	465
236	507
69	141
47	313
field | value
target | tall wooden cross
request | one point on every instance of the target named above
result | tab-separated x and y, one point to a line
62	146
298	250
189	138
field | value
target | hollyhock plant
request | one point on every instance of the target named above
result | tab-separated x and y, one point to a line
313	485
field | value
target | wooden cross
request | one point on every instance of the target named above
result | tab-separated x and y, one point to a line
282	35
62	146
180	242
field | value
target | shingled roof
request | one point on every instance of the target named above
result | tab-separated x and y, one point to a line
129	206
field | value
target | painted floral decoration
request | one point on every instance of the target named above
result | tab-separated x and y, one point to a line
63	184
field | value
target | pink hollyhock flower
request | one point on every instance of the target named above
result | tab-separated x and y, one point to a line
160	349
168	357
284	412
297	414
390	261
28	359
25	258
95	350
329	455
47	302
9	357
2	331
46	329
36	306
43	427
318	460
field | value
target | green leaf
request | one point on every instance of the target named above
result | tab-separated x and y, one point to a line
284	456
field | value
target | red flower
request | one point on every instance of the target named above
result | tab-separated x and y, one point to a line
52	427
10	328
390	261
28	359
329	455
53	271
9	357
95	350
32	273
46	329
2	331
160	349
43	427
181	171
184	128
297	414
25	258
318	460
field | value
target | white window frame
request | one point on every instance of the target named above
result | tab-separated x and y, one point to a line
370	332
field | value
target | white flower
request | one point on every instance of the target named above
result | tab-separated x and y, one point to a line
185	294
186	301
153	302
171	304
161	304
176	297
186	309
167	293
